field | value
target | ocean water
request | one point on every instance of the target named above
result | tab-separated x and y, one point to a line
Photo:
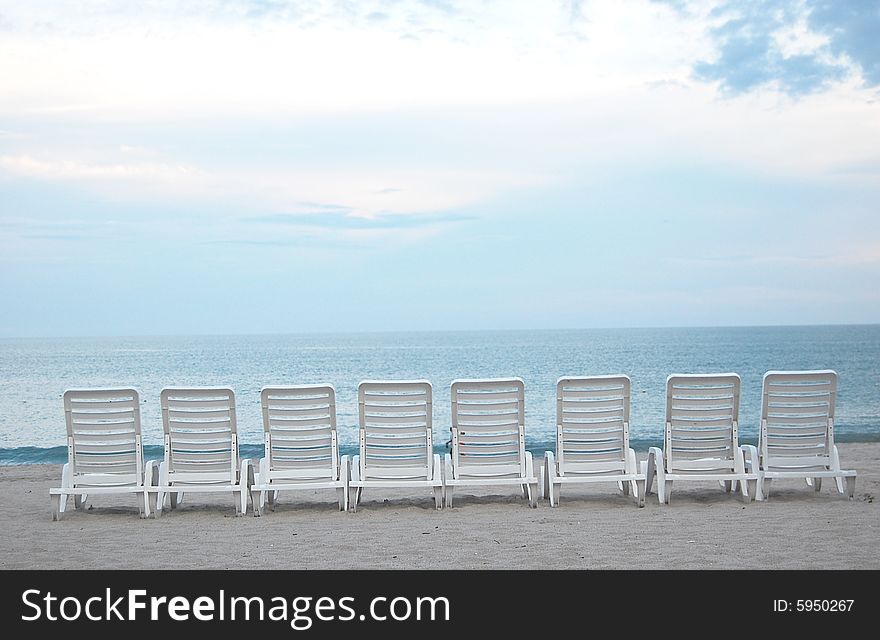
35	372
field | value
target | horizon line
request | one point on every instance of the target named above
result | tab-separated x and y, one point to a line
428	331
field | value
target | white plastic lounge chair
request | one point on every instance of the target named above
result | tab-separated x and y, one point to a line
201	448
104	453
301	447
701	440
797	430
592	437
488	437
396	442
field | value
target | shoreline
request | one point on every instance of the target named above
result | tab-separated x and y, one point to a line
593	528
57	455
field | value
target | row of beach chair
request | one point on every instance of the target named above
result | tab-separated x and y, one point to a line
395	441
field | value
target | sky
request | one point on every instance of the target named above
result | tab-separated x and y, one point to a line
266	166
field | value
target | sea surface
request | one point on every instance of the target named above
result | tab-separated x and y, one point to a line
35	372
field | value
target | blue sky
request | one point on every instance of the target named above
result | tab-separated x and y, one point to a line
272	166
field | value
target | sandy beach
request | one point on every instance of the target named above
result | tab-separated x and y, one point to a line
593	528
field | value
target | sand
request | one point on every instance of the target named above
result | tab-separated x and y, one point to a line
593	528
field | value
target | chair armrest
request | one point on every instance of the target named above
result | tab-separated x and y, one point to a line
750	457
246	472
151	473
345	469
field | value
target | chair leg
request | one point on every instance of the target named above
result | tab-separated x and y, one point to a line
79	501
623	487
258	500
57	511
142	504
438	497
667	491
449	491
851	486
752	489
243	494
66	483
817	484
545	480
174	496
765	487
639	491
648	470
551	490
161	496
533	495
340	498
728	485
835	466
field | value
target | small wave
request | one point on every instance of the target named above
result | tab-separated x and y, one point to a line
125	350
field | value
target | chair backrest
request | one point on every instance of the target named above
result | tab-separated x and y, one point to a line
592	423
300	431
201	440
104	436
702	418
797	417
488	427
395	435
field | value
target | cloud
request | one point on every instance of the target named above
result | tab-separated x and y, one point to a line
31	167
289	242
798	46
56	236
750	55
207	59
574	9
345	220
444	6
852	28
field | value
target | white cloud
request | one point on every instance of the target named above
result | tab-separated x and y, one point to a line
257	190
28	166
498	53
544	98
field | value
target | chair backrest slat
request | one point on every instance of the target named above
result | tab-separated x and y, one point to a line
488	426
396	428
702	417
592	421
299	423
200	432
104	435
797	416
